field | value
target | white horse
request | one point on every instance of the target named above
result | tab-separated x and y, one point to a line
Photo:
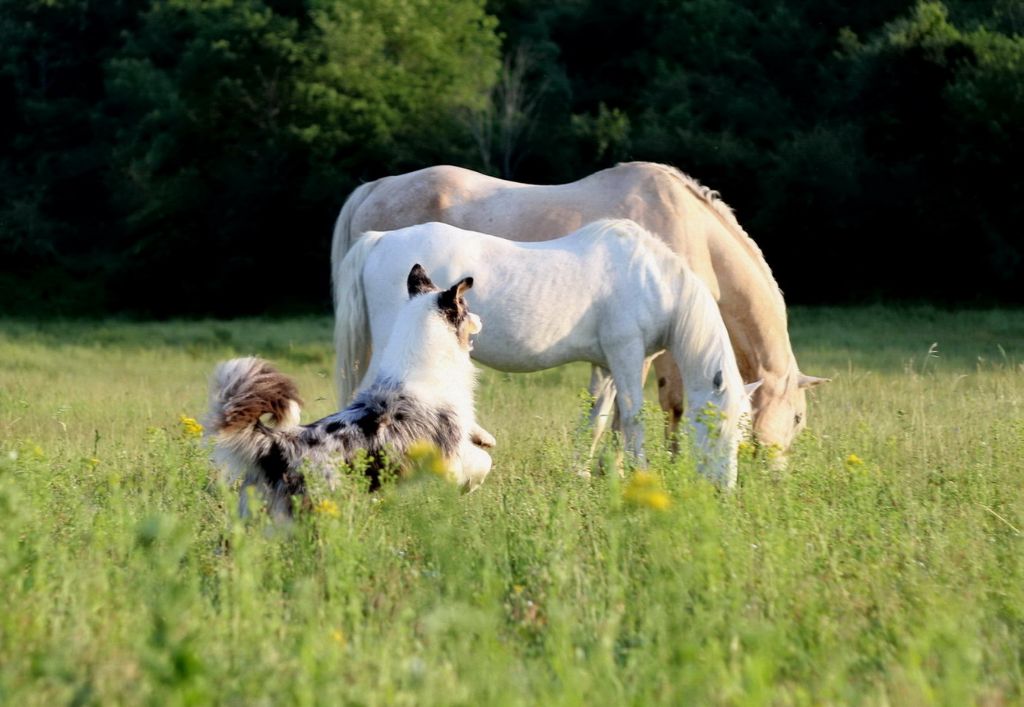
609	294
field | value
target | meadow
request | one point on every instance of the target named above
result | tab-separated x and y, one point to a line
885	565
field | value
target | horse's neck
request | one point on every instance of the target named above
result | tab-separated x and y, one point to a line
751	305
760	351
749	298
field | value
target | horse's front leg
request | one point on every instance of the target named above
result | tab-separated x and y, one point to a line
616	421
602	389
626	361
670	395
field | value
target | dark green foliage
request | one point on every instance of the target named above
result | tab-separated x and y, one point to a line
869	147
185	156
190	157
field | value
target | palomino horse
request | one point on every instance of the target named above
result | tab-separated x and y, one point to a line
688	217
610	294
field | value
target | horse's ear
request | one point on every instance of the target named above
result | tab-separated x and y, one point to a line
418	283
806	381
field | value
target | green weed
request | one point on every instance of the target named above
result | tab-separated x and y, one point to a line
884	566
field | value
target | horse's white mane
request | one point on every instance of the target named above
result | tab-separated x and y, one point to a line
713	199
698	314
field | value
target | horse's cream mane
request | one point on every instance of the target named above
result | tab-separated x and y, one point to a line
713	199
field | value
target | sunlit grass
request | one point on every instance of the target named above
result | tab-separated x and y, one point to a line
885	566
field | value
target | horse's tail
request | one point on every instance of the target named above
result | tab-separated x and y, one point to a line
352	344
343	236
242	392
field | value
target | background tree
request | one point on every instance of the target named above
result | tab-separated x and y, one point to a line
200	149
874	139
503	128
189	156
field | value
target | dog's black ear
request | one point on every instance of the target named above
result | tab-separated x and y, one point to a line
462	285
418	283
448	302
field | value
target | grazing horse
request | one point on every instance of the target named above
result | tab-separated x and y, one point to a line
688	217
610	294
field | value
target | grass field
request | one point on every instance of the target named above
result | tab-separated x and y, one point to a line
885	566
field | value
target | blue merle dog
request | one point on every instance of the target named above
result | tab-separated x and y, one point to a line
422	393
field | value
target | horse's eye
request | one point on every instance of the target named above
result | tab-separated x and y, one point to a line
797	419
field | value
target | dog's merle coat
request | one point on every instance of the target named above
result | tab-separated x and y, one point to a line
383	421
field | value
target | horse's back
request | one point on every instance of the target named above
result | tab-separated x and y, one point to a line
685	216
421	196
556	298
452	253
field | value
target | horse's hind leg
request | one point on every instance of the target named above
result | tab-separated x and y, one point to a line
670	395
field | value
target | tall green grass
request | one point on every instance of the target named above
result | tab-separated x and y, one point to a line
885	566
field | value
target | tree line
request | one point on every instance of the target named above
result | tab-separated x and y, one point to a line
189	156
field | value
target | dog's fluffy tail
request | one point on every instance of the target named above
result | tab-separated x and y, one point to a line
244	392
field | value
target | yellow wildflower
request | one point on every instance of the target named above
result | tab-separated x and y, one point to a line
710	414
37	452
338	636
190	426
425	456
853	460
644	490
327	507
